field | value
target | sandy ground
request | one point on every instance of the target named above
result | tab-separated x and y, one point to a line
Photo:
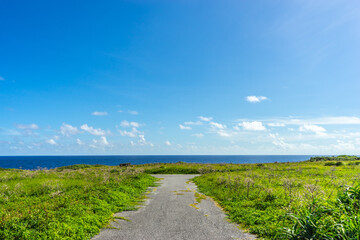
172	212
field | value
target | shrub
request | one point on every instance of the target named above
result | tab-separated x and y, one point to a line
334	164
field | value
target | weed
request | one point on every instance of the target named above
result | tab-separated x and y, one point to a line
199	197
123	218
194	206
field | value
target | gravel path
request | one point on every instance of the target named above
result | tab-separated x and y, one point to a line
172	212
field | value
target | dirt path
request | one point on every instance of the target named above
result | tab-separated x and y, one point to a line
172	212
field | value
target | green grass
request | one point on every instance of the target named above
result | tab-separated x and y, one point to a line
317	199
78	166
66	203
306	200
188	168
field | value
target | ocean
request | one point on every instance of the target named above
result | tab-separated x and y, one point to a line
35	162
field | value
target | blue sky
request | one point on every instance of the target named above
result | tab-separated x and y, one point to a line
179	77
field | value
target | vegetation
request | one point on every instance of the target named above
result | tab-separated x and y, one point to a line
168	168
189	168
315	199
66	203
334	158
78	166
305	200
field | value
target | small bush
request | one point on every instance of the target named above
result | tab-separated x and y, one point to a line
354	163
334	164
334	158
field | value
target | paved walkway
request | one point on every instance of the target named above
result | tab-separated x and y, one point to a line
172	212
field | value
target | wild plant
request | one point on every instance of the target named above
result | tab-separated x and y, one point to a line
312	192
288	185
269	195
248	182
310	224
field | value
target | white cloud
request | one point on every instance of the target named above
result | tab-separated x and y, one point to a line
132	112
182	127
205	119
237	127
51	142
198	135
129	124
224	133
217	125
313	128
193	123
279	141
341	120
253	126
2	79
142	140
10	132
104	141
93	131
68	130
30	126
255	99
99	113
120	111
168	143
78	141
133	133
341	145
99	143
220	129
276	124
27	130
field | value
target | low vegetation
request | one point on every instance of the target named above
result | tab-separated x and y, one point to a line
334	158
315	199
66	203
306	200
189	168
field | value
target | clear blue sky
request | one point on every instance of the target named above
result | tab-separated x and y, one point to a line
179	77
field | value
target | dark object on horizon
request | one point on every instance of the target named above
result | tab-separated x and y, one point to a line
334	158
124	164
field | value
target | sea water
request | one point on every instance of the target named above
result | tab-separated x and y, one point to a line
34	162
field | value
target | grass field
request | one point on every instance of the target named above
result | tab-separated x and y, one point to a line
316	199
66	203
307	200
